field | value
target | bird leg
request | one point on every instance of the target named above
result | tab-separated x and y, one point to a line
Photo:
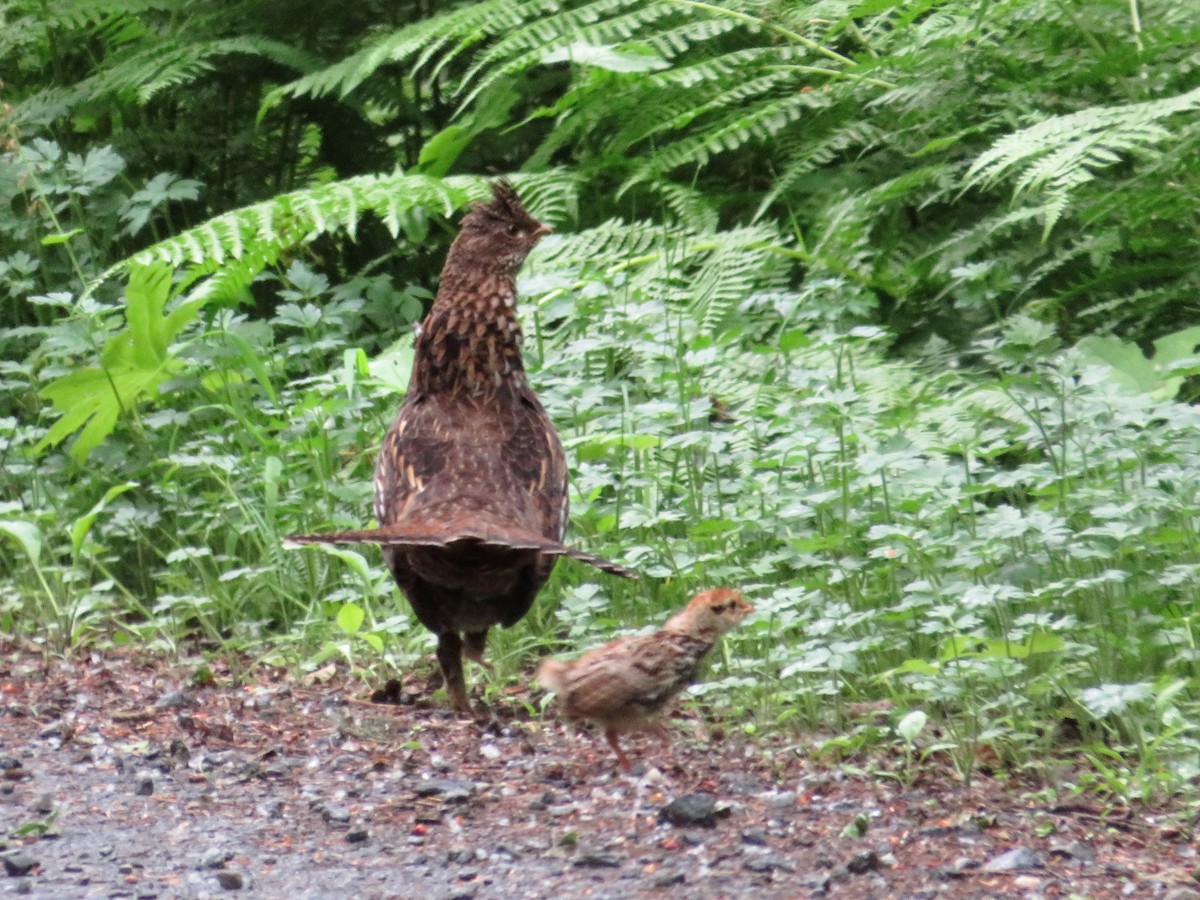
611	735
660	731
474	643
449	657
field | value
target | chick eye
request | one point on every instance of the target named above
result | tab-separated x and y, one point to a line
514	230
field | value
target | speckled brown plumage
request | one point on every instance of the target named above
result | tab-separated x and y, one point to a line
471	481
624	684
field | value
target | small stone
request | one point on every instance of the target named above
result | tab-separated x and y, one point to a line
767	863
231	881
691	809
1077	850
965	864
25	886
595	860
175	700
559	810
667	878
54	730
1181	893
449	789
817	882
145	786
272	809
18	863
1014	860
780	799
334	814
860	863
357	835
755	836
213	858
968	830
9	763
43	804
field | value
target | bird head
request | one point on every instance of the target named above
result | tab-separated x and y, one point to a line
712	612
496	236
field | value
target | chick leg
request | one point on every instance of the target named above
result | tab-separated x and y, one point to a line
611	735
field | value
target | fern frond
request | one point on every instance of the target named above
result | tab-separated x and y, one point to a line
1060	153
732	131
232	249
416	44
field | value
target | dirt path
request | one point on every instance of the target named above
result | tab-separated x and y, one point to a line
146	788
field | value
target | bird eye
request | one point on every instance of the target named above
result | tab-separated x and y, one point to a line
514	230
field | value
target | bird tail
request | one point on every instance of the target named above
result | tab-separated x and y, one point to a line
503	539
552	675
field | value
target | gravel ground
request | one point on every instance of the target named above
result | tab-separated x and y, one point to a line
119	780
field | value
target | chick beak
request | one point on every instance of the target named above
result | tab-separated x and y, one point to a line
541	231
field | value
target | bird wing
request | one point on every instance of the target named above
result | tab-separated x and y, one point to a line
630	678
501	460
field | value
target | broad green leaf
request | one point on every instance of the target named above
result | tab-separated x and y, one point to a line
82	525
52	239
911	725
350	618
28	535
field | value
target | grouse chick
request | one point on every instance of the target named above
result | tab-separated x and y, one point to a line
623	685
471	481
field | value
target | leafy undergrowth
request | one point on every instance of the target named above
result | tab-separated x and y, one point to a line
123	773
1007	562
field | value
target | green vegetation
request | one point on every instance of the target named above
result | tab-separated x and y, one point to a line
881	311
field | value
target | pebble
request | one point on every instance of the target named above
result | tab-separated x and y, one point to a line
334	814
817	882
449	789
145	786
860	863
1077	850
691	809
1013	860
779	799
667	879
755	836
43	804
18	863
768	863
231	881
213	858
595	860
175	700
357	835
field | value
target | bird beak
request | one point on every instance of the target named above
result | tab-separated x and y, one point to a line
542	230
